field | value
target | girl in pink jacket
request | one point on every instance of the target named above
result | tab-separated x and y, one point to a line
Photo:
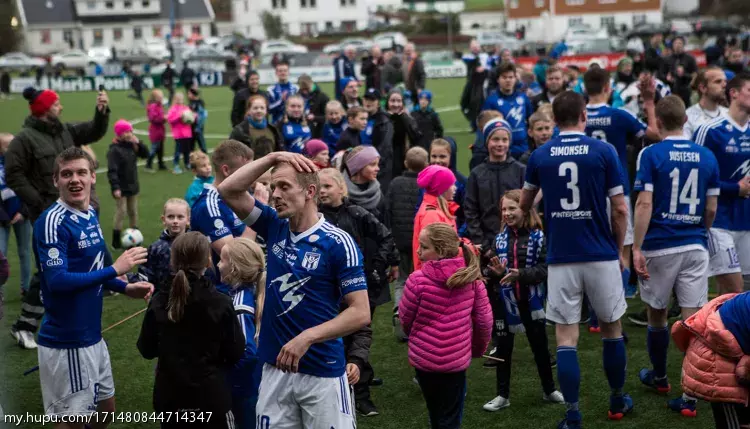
446	314
181	119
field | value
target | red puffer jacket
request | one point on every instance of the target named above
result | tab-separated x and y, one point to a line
714	362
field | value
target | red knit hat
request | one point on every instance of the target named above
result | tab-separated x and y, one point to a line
40	101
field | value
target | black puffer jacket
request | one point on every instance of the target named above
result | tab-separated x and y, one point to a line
30	159
316	102
429	124
122	166
487	184
518	246
375	242
357	347
156	270
382	139
401	206
196	353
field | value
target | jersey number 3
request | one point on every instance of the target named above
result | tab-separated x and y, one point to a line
689	194
575	201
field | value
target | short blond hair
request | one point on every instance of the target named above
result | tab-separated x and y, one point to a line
539	116
335	104
337	177
197	157
416	159
176	202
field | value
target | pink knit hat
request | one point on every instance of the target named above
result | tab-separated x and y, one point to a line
436	179
122	126
314	147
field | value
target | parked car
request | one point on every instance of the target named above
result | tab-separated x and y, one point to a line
648	30
138	55
584	32
100	54
362	45
491	39
591	46
207	53
75	59
714	27
156	48
281	46
438	58
20	61
391	40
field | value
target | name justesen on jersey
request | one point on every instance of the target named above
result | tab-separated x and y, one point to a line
599	122
684	156
569	150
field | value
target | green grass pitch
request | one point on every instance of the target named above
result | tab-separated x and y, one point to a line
399	400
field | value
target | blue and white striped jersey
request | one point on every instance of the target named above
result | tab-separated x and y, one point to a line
730	143
308	274
70	252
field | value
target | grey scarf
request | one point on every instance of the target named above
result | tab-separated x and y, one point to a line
369	198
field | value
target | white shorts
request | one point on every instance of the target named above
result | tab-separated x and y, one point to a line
629	230
600	281
75	380
685	272
729	252
293	401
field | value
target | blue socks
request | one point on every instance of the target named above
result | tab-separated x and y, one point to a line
657	343
615	362
569	376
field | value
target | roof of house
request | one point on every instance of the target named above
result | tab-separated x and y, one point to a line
37	12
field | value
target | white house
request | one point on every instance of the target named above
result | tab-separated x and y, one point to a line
58	25
549	20
300	17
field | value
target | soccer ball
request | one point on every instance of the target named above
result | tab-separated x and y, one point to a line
188	117
131	237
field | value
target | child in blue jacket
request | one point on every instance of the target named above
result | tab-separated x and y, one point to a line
242	267
201	166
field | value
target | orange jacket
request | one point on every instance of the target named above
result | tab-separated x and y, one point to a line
429	212
714	362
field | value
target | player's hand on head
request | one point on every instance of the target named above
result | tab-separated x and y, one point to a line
138	290
300	162
352	373
290	355
129	259
639	263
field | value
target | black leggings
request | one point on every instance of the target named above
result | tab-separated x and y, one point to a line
504	340
183	146
444	394
730	416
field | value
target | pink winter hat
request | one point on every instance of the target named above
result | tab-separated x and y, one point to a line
436	179
122	126
314	147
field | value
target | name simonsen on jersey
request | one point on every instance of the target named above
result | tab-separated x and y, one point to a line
580	149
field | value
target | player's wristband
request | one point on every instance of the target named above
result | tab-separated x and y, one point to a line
116	285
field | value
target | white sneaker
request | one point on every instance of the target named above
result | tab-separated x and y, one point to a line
25	339
555	397
496	404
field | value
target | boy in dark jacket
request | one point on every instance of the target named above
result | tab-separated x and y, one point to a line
315	104
358	369
156	270
351	136
122	172
136	84
427	119
401	201
479	149
201	114
379	133
488	182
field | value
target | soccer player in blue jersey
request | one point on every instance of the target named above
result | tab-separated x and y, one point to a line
514	105
577	175
279	92
210	215
619	128
728	137
312	267
678	187
74	366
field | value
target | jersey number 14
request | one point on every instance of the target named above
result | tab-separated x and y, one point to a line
689	193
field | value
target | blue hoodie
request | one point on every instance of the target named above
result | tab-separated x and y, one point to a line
461	180
195	189
332	133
